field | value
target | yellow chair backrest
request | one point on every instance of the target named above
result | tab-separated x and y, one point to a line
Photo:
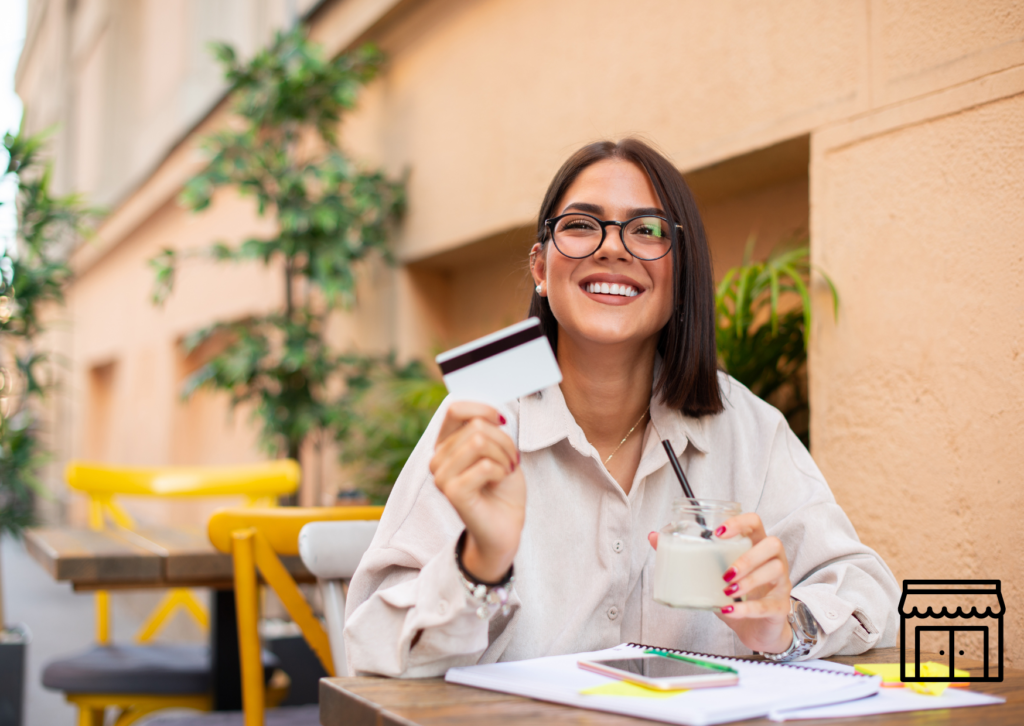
260	480
280	525
255	538
260	483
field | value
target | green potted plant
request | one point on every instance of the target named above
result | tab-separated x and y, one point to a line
763	324
330	214
33	273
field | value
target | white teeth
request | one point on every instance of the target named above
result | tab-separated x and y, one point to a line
604	288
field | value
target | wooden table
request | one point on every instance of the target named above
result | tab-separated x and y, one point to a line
424	702
146	557
157	557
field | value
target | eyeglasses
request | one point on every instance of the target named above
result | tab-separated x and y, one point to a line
578	235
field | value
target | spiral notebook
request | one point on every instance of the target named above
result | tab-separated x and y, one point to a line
764	688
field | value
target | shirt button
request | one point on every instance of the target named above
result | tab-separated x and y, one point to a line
613	612
442	607
831	614
617	545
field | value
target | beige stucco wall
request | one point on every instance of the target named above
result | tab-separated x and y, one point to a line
918	390
912	113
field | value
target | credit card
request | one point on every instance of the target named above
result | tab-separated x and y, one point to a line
502	366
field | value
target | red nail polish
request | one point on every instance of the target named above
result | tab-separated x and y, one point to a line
512	468
732	588
729	575
727	609
501	419
720	531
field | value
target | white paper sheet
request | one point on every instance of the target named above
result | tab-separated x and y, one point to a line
893	700
762	687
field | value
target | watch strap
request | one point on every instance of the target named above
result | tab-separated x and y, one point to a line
805	633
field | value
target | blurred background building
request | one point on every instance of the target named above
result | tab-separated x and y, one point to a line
893	132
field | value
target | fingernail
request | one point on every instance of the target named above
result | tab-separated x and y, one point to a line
512	468
727	609
501	419
720	531
729	574
732	588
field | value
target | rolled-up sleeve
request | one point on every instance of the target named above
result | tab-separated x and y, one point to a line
845	584
408	613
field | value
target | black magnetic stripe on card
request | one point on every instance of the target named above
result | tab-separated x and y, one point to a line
491	349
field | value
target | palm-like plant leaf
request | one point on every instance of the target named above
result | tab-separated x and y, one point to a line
764	319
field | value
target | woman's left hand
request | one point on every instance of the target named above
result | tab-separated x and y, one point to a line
761	575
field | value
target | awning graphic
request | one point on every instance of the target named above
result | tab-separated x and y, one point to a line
951	599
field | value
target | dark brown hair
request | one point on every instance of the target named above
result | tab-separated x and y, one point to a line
689	374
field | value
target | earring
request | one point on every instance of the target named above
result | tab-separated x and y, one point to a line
538	289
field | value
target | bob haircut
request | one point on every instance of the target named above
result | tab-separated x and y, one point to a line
689	374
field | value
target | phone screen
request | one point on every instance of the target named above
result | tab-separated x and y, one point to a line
658	666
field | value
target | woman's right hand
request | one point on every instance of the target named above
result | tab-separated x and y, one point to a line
476	466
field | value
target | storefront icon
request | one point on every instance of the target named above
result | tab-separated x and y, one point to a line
960	620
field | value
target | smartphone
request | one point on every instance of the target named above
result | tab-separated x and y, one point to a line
663	673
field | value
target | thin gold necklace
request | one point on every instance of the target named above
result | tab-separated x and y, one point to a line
642	417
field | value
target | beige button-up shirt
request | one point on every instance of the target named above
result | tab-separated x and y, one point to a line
584	569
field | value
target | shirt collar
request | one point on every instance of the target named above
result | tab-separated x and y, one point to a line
677	427
544	420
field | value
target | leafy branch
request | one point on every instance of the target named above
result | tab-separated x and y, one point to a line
763	323
33	274
282	150
385	411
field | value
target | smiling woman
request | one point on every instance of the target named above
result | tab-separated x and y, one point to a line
639	181
568	485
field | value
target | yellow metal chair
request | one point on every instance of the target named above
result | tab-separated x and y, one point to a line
141	679
255	538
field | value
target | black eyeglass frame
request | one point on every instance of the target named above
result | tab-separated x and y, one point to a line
550	224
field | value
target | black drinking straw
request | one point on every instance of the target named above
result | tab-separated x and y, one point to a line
687	492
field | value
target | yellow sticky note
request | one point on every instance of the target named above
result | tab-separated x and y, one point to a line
931	669
625	688
934	688
890	673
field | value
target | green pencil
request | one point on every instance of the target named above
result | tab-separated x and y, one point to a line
695	661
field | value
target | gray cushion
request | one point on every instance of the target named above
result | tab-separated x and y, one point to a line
159	669
284	716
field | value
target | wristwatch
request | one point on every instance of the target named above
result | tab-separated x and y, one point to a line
805	633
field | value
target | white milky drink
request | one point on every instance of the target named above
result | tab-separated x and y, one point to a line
688	570
690	562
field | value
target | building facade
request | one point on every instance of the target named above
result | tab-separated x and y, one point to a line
892	131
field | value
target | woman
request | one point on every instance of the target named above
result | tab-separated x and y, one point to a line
570	484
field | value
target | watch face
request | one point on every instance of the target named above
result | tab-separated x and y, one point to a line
805	621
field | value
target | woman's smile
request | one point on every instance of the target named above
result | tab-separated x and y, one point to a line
609	289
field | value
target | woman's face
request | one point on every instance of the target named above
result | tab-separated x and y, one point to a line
608	189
